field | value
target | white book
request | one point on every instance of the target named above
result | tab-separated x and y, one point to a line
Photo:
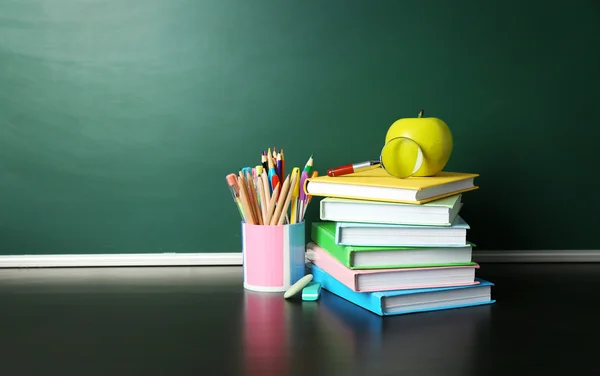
372	234
440	212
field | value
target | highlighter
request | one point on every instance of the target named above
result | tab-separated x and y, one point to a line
295	192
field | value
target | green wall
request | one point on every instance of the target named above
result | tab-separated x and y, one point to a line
120	119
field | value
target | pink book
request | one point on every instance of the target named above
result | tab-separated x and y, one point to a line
391	279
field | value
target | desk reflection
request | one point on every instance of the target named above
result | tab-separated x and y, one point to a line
333	336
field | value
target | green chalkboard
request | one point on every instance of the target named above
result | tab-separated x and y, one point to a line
120	119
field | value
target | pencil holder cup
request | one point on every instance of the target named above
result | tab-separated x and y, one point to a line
273	256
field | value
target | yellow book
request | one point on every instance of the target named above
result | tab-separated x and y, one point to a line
377	185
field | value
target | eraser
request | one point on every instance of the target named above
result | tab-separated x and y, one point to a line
297	287
312	291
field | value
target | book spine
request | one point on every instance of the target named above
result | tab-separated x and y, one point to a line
326	240
318	256
370	302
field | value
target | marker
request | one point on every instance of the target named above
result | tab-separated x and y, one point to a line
352	168
233	187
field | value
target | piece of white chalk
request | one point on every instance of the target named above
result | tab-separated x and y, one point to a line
297	287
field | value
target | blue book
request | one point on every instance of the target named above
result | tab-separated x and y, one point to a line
397	302
393	235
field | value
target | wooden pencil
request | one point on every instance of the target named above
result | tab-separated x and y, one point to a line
263	201
286	203
254	199
284	191
245	204
244	187
265	181
272	204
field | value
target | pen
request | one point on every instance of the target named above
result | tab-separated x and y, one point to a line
232	182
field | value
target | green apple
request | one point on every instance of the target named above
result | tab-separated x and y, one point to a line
433	137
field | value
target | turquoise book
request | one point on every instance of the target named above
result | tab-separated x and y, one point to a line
399	302
386	257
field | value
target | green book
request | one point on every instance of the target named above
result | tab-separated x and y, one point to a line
376	257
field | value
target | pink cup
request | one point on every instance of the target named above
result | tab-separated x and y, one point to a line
273	256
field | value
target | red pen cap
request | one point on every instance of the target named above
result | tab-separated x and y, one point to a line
342	170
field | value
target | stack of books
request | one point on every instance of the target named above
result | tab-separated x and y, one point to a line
395	246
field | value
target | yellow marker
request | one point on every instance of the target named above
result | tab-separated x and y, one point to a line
295	192
259	170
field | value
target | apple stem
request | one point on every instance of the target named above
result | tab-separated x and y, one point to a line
421	113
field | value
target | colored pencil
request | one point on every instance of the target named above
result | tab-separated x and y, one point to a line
287	199
272	203
265	182
284	192
282	163
263	160
245	204
279	172
244	191
266	196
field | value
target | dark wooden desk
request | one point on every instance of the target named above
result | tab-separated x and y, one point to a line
200	321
